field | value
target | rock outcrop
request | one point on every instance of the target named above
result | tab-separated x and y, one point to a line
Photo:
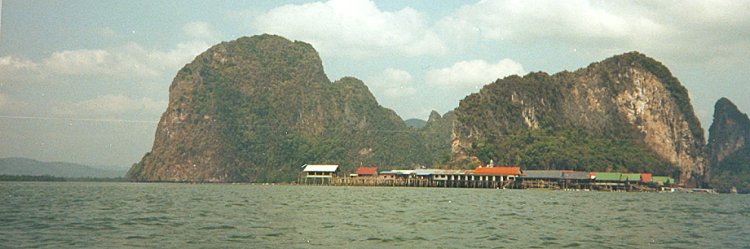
436	138
728	148
257	108
629	105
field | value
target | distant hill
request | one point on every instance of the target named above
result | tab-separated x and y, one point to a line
728	150
25	166
415	123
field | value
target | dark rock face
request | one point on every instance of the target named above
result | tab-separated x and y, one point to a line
436	136
257	108
729	132
728	150
630	104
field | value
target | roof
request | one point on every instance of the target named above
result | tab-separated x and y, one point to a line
367	171
426	172
398	172
646	177
662	179
542	174
607	176
631	177
321	168
617	177
497	171
576	175
455	172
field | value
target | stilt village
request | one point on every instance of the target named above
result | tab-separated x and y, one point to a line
496	177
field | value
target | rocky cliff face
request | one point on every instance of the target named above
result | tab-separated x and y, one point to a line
436	139
728	150
729	132
257	108
626	102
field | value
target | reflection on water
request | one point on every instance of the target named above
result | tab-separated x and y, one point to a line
223	215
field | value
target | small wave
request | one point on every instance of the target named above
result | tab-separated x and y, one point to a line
574	244
249	236
222	227
548	244
419	238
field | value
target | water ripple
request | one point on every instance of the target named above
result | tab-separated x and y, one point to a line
86	215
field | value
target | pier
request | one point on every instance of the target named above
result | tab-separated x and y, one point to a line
487	177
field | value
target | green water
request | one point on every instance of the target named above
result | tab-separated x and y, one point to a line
113	215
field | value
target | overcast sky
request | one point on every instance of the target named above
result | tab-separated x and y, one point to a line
86	81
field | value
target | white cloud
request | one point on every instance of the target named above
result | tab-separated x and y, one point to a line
172	60
47	84
110	105
472	74
394	83
97	62
126	62
689	30
199	31
714	31
14	69
576	20
353	28
131	61
13	63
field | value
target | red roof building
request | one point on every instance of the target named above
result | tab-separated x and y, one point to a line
498	171
645	177
366	171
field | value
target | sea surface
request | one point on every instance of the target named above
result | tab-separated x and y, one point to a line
132	215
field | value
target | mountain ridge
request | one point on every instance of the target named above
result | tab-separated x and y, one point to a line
30	167
629	103
256	108
729	148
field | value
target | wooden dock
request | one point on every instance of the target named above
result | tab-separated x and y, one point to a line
417	182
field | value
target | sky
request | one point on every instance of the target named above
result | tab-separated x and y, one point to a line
86	81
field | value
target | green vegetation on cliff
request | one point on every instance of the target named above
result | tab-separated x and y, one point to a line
571	149
436	139
604	117
733	171
729	148
257	108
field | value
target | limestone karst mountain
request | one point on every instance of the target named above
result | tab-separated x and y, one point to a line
729	148
626	113
257	108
